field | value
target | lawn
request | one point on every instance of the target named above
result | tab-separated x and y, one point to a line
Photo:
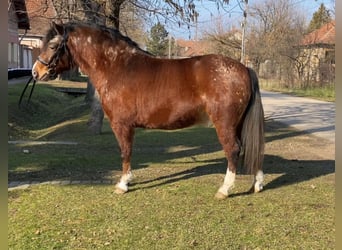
171	202
324	93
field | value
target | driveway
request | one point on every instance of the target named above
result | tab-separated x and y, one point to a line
313	116
22	79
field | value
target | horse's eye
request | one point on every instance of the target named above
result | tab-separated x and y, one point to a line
53	46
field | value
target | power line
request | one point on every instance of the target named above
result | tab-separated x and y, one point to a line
226	12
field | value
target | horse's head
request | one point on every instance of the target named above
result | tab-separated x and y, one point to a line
54	57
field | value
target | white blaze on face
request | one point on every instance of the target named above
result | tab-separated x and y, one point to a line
34	72
89	39
34	66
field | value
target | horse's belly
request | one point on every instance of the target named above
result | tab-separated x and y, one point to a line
167	118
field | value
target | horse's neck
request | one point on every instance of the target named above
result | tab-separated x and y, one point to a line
97	60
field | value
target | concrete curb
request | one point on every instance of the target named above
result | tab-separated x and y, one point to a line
32	143
15	185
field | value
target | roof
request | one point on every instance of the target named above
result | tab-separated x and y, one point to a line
20	10
191	48
324	35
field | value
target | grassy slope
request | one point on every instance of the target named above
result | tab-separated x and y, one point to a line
171	203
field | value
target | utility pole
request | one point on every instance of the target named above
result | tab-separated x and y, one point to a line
196	26
243	25
170	44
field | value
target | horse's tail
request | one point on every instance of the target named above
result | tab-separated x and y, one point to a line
252	134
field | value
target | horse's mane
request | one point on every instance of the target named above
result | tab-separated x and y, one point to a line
114	33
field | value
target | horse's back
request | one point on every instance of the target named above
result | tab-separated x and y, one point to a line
221	80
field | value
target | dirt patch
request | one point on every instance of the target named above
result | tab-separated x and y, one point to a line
293	157
297	144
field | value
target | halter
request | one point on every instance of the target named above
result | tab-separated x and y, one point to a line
52	63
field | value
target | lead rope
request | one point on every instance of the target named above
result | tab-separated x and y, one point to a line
23	92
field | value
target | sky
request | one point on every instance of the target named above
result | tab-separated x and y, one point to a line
232	15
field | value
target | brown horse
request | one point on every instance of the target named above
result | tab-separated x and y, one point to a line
140	90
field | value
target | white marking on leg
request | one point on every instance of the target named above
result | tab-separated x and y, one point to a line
124	180
229	180
122	186
127	177
259	179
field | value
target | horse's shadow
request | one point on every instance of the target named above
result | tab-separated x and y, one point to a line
154	147
290	171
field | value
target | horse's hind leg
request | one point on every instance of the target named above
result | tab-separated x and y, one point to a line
231	147
258	182
125	136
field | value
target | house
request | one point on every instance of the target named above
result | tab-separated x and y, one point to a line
317	54
189	48
40	13
17	19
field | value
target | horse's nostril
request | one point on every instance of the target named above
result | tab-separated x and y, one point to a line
34	74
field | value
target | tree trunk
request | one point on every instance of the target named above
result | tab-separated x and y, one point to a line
69	75
96	117
114	18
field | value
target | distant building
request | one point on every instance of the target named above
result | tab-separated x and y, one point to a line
17	19
189	48
40	13
317	54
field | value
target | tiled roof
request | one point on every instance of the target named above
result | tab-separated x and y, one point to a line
190	48
324	35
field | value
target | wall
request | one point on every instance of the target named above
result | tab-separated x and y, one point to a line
318	63
13	48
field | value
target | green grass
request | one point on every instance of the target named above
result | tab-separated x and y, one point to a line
326	93
179	215
47	108
171	202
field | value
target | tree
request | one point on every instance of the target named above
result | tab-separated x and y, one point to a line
275	27
224	40
320	17
157	43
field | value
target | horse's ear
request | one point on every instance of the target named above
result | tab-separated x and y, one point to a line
58	28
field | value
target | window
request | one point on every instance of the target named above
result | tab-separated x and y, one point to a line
9	52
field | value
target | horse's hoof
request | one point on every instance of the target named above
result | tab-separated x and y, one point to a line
255	189
220	196
258	188
119	190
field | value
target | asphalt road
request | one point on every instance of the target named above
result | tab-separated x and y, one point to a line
313	116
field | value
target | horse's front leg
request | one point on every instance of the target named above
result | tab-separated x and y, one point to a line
231	147
124	135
